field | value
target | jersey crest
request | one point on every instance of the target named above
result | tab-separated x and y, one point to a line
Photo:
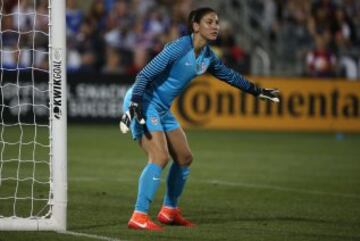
201	67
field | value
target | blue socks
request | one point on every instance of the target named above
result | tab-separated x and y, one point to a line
175	184
149	182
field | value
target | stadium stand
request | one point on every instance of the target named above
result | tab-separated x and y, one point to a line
259	37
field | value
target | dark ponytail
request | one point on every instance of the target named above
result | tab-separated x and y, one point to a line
196	15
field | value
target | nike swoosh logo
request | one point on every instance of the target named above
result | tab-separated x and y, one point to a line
187	64
141	225
156	178
166	216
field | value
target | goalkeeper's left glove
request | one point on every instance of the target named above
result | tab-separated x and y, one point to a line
269	94
125	122
133	112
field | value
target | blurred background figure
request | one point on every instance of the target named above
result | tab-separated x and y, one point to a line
321	61
112	62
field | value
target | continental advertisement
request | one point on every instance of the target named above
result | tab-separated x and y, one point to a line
305	105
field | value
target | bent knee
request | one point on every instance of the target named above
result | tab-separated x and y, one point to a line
161	159
186	159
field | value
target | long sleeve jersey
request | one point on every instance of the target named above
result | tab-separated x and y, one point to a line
168	74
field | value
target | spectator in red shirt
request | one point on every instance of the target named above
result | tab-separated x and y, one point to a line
320	61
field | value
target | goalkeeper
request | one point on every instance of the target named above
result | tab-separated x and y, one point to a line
147	113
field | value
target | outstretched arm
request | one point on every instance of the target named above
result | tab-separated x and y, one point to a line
230	76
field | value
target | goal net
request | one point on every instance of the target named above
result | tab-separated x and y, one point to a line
33	176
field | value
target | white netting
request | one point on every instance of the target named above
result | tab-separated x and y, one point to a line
25	175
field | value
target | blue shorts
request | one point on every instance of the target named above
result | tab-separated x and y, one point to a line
156	118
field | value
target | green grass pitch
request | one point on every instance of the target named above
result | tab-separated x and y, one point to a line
243	186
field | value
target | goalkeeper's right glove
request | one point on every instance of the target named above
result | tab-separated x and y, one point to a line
269	94
264	93
135	110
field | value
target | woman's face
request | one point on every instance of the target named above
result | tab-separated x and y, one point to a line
208	27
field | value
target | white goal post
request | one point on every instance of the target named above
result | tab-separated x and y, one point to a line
55	198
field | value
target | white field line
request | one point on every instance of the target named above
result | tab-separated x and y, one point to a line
284	189
86	235
232	184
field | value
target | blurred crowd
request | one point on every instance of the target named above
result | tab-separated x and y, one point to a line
323	34
121	36
24	35
108	36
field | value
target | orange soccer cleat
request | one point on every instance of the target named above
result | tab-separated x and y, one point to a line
173	216
142	221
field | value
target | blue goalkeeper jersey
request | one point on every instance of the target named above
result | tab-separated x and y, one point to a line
168	74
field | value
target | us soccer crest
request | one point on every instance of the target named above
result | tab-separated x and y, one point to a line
154	120
201	67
